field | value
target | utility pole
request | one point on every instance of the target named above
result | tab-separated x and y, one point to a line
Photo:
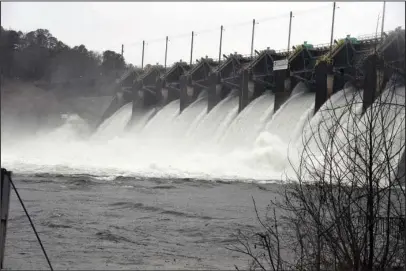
166	50
383	18
377	25
252	40
191	48
221	40
143	47
290	29
332	26
122	50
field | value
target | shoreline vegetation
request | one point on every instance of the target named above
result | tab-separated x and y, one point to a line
42	78
40	58
344	208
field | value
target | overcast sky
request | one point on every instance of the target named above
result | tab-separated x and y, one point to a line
107	25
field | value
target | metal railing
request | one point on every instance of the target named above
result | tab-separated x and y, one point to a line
364	37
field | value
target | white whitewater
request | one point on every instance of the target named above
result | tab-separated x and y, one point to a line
114	125
169	144
140	120
323	126
158	144
248	124
272	145
322	121
339	125
387	117
285	121
190	115
161	123
213	124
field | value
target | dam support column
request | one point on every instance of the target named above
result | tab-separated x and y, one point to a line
158	92
213	92
243	90
150	98
114	105
161	99
371	81
282	88
184	99
196	90
324	84
137	99
119	99
259	89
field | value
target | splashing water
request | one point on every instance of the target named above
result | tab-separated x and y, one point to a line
272	145
245	128
114	126
221	144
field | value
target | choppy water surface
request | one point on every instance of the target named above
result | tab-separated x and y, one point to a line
150	196
129	223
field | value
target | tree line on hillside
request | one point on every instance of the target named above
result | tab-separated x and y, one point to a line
39	56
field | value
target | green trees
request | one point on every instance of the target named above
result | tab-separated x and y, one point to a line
39	56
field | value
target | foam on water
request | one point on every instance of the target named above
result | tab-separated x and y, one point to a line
339	128
114	126
213	124
386	116
247	125
162	121
152	152
285	120
142	119
182	123
221	144
271	146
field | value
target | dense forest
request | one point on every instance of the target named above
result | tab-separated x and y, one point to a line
39	57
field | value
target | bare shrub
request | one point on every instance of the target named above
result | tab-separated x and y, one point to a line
344	210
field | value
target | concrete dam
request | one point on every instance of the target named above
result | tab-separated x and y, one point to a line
251	107
245	118
269	71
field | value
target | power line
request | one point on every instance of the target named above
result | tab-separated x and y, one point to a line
300	12
239	24
296	13
232	26
227	26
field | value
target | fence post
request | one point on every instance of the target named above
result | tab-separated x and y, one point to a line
4	208
244	78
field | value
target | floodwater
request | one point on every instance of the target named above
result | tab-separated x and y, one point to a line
131	223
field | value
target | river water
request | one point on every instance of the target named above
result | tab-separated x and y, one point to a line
131	223
169	193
